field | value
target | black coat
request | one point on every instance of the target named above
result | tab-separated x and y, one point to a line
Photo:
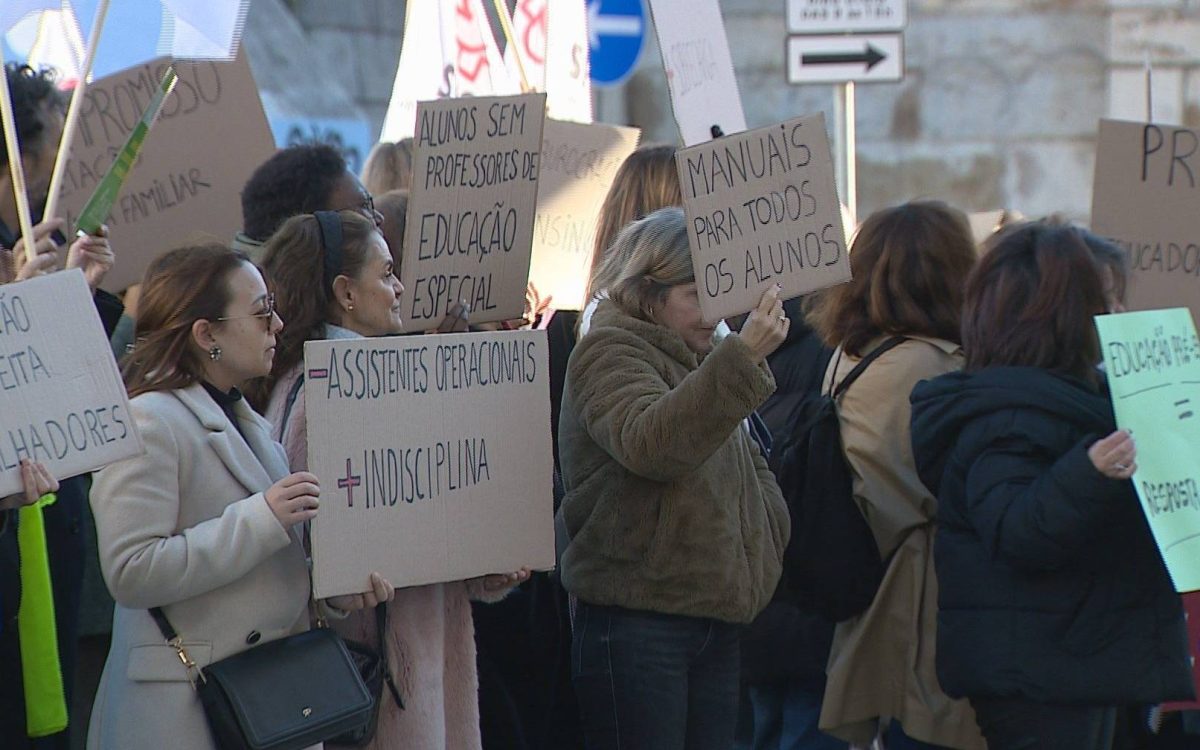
1050	584
786	642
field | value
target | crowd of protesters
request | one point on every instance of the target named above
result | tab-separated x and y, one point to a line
1022	604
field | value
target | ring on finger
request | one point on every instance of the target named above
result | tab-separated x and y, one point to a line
1121	467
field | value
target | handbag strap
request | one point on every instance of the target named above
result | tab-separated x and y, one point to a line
381	623
864	363
176	642
293	394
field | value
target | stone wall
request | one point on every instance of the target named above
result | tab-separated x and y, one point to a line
998	107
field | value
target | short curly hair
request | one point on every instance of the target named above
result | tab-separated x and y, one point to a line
32	92
296	180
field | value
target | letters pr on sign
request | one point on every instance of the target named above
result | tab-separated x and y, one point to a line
1146	197
762	209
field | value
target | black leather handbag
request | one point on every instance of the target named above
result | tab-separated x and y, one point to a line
287	694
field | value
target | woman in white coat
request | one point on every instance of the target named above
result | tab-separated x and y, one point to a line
206	524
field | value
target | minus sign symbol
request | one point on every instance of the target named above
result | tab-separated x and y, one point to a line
318	374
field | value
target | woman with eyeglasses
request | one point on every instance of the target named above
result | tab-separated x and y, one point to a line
205	524
335	278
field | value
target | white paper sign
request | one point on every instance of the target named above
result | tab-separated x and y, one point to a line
695	52
60	392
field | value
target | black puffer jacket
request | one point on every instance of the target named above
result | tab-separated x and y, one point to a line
1051	587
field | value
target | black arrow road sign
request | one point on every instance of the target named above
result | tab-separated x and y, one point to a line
870	56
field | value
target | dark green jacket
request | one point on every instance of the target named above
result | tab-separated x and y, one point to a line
670	506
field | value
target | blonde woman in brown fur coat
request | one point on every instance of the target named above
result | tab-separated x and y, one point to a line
676	526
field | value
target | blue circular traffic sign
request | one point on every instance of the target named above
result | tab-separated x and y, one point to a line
616	30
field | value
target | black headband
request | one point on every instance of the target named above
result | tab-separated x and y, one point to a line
330	225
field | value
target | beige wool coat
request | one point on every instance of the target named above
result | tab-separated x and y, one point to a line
670	506
882	664
186	527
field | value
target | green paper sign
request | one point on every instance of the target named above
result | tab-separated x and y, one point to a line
1153	363
98	206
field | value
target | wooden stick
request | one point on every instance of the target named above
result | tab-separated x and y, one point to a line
1149	87
506	25
15	168
72	122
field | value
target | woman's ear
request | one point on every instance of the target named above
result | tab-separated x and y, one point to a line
202	334
343	294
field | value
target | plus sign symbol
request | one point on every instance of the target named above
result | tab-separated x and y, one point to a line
349	482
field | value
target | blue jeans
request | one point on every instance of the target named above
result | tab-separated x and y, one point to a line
649	680
785	718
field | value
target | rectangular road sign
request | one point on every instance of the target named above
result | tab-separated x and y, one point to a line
843	16
841	58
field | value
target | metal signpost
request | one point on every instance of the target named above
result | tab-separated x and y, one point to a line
842	42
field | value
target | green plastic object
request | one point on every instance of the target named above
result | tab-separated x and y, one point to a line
45	701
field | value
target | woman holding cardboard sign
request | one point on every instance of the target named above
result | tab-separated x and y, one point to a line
335	278
677	527
1055	610
205	525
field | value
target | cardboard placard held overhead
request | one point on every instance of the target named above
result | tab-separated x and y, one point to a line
762	209
211	135
1146	197
579	163
470	217
434	454
60	392
1152	360
695	52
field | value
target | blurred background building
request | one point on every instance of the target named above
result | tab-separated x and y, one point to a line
998	107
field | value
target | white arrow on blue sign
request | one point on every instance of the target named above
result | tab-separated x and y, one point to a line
617	29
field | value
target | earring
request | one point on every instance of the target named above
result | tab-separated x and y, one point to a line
214	353
350	307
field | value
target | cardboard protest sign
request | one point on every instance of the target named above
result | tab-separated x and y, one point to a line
99	206
1146	197
1152	360
60	392
188	179
434	457
762	209
579	163
695	52
470	217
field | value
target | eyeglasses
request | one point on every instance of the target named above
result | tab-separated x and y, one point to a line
367	209
265	314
